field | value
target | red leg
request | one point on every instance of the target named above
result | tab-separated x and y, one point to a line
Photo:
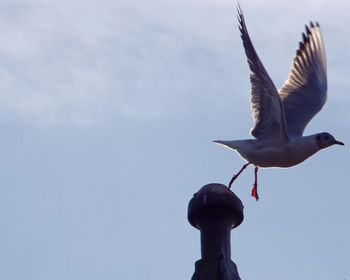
255	187
235	176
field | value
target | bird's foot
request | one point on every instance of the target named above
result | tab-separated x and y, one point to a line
235	176
232	180
255	192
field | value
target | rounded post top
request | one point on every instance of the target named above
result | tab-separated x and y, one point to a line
214	202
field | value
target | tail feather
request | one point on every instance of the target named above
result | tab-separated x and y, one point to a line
229	144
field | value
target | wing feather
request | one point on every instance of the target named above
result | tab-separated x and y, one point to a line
266	104
305	91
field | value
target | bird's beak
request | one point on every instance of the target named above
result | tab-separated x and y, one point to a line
339	143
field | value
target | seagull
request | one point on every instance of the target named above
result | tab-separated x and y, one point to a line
280	116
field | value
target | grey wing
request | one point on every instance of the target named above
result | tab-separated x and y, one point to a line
266	104
305	91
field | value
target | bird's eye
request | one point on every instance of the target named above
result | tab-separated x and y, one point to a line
327	137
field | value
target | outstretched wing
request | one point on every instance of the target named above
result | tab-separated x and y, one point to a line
305	91
266	104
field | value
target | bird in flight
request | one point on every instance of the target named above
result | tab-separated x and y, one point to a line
280	116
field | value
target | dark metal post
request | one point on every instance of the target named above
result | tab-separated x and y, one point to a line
215	210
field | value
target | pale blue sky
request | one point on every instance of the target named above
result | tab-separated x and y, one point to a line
107	110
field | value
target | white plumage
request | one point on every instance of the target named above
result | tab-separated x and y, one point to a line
281	116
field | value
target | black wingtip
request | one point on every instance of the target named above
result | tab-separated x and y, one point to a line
307	29
304	38
301	45
314	24
240	13
239	9
240	18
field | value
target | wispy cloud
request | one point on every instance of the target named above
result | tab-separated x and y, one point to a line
75	61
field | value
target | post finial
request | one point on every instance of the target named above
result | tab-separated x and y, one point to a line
215	210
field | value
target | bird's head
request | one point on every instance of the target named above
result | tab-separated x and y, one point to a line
325	140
